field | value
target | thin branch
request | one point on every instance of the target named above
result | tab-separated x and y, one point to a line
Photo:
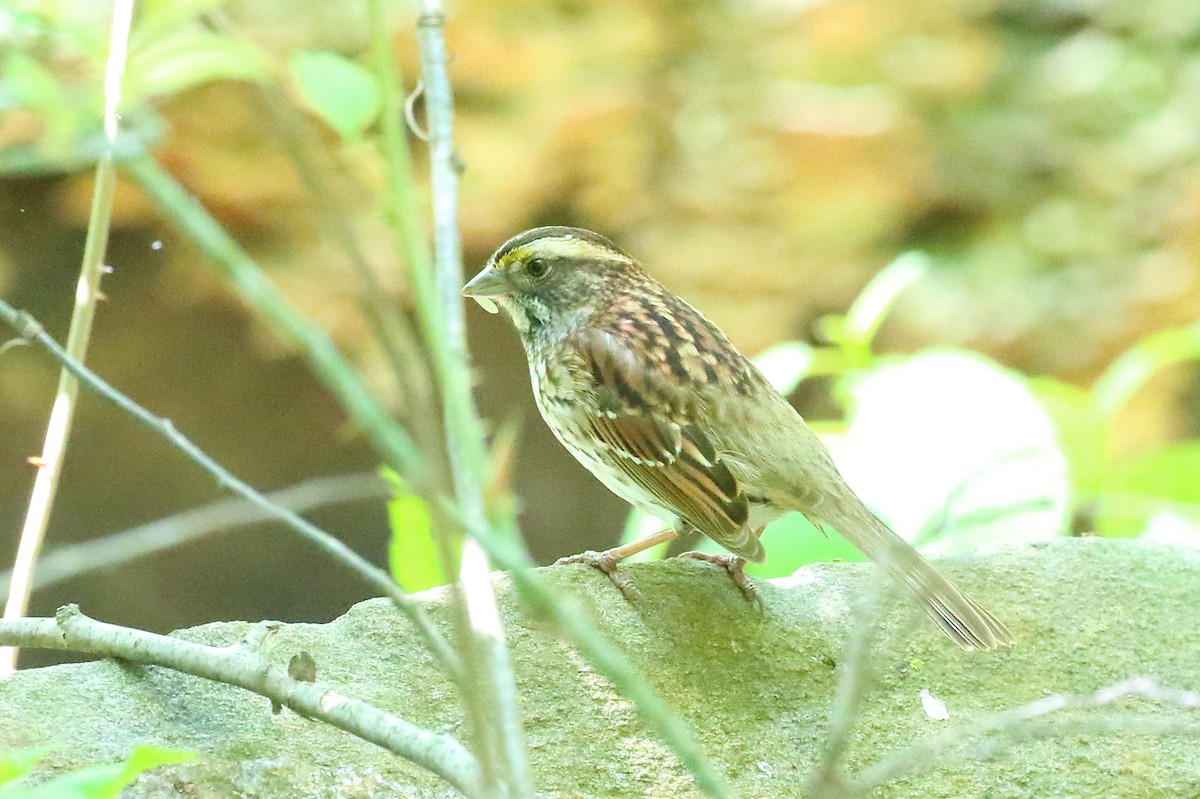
73	560
463	428
501	539
259	293
87	295
1048	729
492	702
395	332
829	780
27	326
1012	726
248	280
404	210
574	624
243	667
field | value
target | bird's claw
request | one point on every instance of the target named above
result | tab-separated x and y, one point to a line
735	567
605	562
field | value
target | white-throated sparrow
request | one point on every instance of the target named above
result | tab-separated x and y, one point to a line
657	403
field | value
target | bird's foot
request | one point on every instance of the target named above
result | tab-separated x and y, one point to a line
605	562
736	568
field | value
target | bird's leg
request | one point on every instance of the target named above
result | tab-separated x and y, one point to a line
736	568
607	560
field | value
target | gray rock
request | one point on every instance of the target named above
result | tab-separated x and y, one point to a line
756	688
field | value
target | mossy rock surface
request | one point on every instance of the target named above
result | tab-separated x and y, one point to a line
756	688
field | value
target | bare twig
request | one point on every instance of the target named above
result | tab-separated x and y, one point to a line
379	579
500	723
1001	731
243	667
500	538
253	287
108	551
573	623
829	780
393	329
87	295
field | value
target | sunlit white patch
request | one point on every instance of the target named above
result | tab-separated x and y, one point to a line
934	707
487	304
331	700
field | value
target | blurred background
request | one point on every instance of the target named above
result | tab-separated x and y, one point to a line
763	159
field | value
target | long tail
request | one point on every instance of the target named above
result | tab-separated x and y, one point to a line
958	615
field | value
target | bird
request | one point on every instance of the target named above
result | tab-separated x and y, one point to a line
656	402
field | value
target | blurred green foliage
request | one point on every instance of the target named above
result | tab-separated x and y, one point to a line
1119	494
342	93
104	781
51	77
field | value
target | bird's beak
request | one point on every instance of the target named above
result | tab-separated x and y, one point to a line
487	284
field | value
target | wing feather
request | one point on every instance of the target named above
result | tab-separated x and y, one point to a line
643	419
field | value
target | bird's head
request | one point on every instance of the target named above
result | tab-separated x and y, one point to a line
550	279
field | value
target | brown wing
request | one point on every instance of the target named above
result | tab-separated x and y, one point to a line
642	417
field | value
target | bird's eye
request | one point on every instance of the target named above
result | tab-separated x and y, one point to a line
537	267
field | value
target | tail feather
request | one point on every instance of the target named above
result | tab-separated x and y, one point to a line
959	616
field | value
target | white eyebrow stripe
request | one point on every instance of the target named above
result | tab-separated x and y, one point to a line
565	247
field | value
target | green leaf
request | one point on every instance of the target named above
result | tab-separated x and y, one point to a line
26	82
1171	473
1165	481
341	92
15	765
188	58
92	782
144	758
953	451
1133	368
412	552
102	781
871	307
794	541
